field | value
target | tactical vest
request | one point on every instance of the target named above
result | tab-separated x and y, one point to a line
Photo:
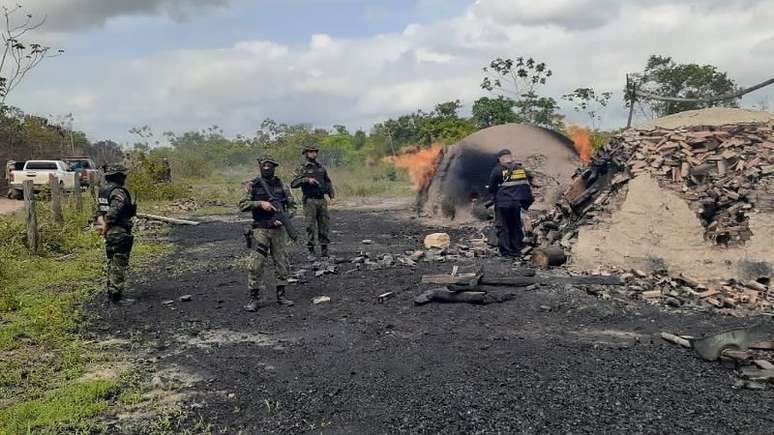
128	211
515	187
258	193
316	171
516	176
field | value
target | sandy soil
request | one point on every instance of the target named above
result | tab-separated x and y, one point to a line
555	360
655	228
10	206
711	116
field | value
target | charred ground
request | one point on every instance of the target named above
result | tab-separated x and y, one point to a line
553	360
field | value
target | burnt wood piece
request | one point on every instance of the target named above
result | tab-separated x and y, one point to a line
550	256
469	297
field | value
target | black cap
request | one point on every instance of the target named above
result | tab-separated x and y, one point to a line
503	152
311	147
268	159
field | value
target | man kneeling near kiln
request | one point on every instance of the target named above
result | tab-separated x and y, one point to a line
510	188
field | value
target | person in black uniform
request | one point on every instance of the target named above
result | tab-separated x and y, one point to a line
313	180
510	188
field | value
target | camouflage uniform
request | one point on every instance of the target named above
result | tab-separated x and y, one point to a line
116	209
268	236
313	180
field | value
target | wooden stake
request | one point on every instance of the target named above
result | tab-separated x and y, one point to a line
31	217
78	195
56	199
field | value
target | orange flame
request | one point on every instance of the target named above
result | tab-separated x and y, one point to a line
421	165
581	137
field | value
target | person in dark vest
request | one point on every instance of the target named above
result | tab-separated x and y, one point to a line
313	180
510	187
264	197
114	222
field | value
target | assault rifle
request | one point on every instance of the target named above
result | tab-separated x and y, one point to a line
280	214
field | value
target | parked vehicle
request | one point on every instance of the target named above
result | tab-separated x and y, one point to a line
85	168
38	171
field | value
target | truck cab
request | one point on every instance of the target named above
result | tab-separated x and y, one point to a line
85	167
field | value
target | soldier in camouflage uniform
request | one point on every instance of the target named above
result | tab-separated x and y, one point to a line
114	213
312	178
262	198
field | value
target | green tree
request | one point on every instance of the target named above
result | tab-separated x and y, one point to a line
522	79
494	111
359	140
664	77
589	102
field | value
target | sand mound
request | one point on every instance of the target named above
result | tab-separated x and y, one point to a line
656	229
463	169
713	116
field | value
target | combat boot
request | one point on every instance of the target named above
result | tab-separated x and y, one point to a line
324	251
311	249
255	301
281	299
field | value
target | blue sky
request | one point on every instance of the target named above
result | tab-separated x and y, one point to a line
186	64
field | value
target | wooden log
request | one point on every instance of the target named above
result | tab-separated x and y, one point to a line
56	199
167	219
31	216
551	256
443	279
78	195
676	340
526	281
468	297
756	374
736	355
765	365
763	345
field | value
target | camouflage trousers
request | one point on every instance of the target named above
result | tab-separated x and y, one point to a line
317	219
268	242
118	247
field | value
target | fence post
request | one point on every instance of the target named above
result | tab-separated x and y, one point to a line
31	217
56	199
93	187
77	193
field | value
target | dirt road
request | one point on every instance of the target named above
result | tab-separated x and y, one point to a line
9	206
555	360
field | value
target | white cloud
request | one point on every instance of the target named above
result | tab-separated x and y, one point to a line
572	14
358	81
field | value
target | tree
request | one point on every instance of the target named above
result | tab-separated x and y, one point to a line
19	57
521	80
359	140
586	100
664	77
494	111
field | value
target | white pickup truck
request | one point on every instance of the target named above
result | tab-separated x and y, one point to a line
38	171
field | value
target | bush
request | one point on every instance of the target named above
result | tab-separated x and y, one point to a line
146	180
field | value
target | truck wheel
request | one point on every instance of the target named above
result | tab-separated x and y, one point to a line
15	194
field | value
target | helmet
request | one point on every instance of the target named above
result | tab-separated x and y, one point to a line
115	169
311	147
269	159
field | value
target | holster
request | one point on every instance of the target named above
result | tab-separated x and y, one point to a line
248	233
